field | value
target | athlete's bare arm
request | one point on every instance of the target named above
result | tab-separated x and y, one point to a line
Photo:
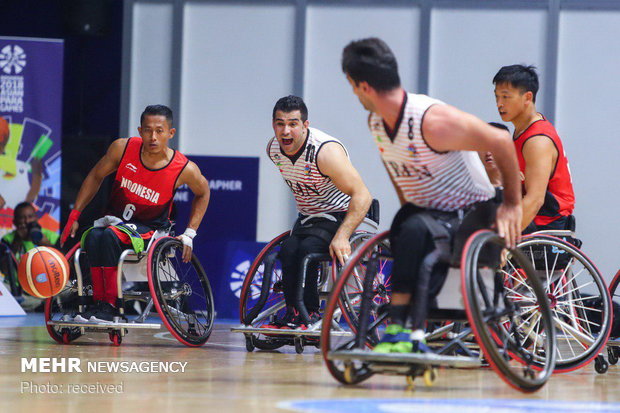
106	165
446	128
198	184
540	156
333	162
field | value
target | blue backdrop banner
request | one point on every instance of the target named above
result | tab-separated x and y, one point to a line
31	73
229	226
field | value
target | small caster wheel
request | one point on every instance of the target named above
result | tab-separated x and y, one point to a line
249	343
430	376
349	373
600	365
116	338
410	381
299	345
612	355
66	339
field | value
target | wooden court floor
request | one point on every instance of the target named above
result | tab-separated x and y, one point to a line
223	377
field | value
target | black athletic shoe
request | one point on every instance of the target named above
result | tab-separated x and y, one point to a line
315	317
104	314
291	320
84	316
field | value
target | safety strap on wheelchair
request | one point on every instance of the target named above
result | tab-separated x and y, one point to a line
440	235
322	229
137	243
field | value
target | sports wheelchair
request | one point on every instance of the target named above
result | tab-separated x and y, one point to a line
503	308
580	301
180	293
262	296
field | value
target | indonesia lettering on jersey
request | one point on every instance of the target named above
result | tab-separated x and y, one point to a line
559	197
141	194
446	181
314	192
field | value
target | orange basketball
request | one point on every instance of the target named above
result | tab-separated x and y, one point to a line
43	272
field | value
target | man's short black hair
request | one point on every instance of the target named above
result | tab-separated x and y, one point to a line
21	206
290	103
371	60
157	110
499	126
521	77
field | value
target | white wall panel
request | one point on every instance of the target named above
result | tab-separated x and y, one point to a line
468	47
587	120
151	51
333	107
237	61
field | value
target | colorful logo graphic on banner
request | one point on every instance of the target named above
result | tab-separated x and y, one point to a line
30	128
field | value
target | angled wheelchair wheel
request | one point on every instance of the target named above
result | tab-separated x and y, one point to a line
509	312
262	295
350	297
181	292
580	301
353	319
64	305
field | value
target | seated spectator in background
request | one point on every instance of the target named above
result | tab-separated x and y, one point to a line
27	235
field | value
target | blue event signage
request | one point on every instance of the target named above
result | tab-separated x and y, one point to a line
31	74
228	230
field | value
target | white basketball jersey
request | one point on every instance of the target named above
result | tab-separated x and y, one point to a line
314	192
446	181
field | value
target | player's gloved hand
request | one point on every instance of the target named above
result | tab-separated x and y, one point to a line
71	227
187	240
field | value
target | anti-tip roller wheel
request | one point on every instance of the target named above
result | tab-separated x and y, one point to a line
249	343
410	382
350	374
430	376
116	338
66	339
612	355
299	345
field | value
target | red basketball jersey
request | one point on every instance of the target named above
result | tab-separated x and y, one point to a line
142	194
560	198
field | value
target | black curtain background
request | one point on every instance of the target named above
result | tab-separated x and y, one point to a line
92	31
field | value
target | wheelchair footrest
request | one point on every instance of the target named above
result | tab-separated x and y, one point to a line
105	326
423	359
613	342
281	332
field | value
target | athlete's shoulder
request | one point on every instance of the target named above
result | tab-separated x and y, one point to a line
320	137
190	173
180	157
272	142
117	148
419	99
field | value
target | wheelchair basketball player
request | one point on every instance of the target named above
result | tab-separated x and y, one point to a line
332	200
148	172
429	150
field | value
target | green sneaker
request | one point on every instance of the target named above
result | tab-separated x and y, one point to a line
394	334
